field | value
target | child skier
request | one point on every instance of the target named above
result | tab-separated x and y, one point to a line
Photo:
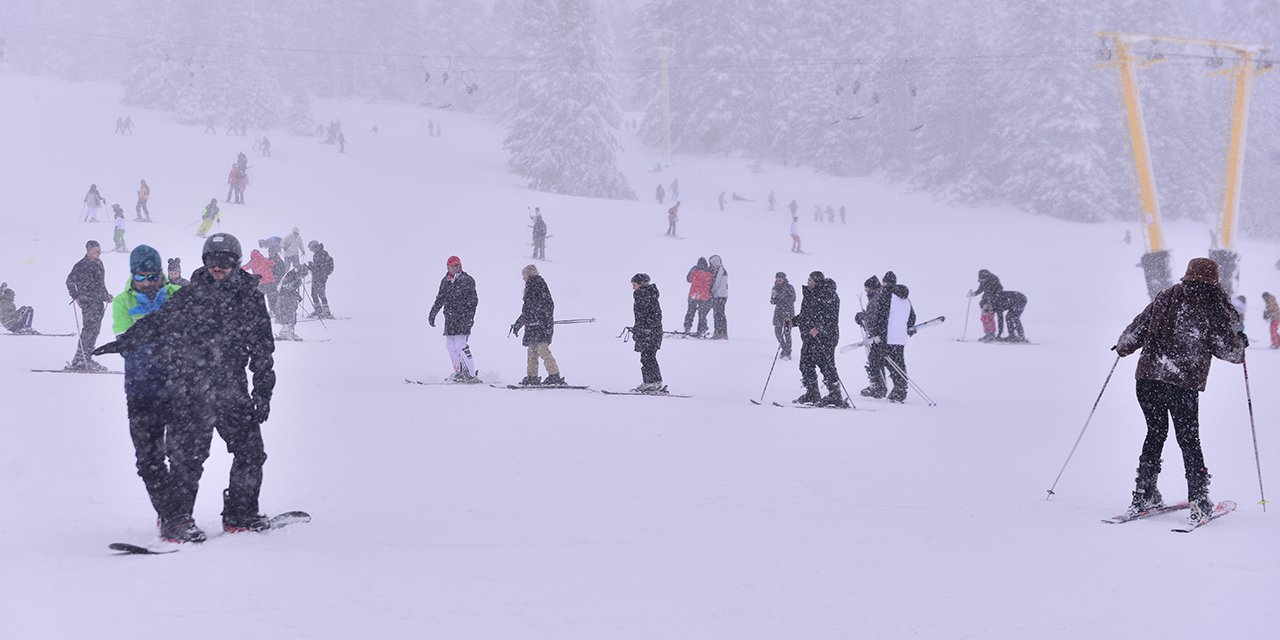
1271	313
988	324
119	234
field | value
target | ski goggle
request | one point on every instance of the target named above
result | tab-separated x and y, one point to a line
146	277
221	261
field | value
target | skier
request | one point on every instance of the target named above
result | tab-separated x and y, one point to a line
673	216
266	147
13	318
660	194
175	272
1271	313
237	179
265	269
831	215
793	207
1006	304
773	202
208	217
119	126
537	318
646	331
539	235
212	330
719	298
128	125
92	202
144	194
1240	305
145	376
118	236
988	324
819	323
458	298
721	200
899	325
817	213
1180	332
783	299
875	322
675	189
795	235
700	279
288	296
842	212
86	284
342	142
293	249
321	267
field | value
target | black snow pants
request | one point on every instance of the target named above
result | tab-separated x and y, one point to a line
699	308
89	331
817	355
1159	402
319	296
719	319
649	371
782	332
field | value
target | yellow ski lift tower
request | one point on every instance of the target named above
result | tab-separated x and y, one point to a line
1155	262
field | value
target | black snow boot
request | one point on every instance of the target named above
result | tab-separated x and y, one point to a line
181	529
242	523
554	380
531	381
811	396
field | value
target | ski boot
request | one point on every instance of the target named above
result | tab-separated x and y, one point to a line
181	529
872	392
811	396
554	380
531	381
242	523
1201	509
1145	500
833	399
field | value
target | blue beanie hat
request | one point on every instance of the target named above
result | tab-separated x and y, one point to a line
144	259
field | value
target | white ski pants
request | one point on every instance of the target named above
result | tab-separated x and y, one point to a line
460	354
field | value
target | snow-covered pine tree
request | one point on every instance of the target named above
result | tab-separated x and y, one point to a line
563	136
298	120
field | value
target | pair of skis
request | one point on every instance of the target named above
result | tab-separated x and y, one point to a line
276	522
1219	510
913	328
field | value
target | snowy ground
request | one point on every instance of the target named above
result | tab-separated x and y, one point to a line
482	513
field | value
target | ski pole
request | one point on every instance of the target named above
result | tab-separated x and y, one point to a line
303	286
1254	429
911	382
770	377
625	334
968	308
574	321
1086	426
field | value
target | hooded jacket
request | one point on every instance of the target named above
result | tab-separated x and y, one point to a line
321	263
783	299
989	288
458	298
210	332
1180	332
261	266
720	284
538	313
820	309
901	319
145	372
700	279
647	328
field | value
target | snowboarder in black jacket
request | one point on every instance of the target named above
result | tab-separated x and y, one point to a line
87	286
209	332
321	267
539	235
537	317
458	298
819	323
783	299
647	332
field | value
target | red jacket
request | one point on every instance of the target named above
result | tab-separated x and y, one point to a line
700	284
261	266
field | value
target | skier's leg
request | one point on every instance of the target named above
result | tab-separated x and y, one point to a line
531	362
1275	334
148	418
1155	409
244	443
896	354
649	370
548	360
187	443
92	317
704	307
464	353
688	316
1184	407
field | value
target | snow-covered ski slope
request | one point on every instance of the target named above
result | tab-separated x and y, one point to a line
474	512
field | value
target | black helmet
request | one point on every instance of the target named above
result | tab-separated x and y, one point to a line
222	243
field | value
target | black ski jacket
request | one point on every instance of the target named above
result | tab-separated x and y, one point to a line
459	300
538	314
88	280
321	263
783	299
647	330
989	287
820	309
207	334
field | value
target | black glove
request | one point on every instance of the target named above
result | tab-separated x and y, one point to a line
857	318
911	331
1239	333
261	409
431	321
515	328
110	347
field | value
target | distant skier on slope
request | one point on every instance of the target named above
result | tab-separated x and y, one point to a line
86	284
13	318
699	279
539	235
783	299
646	332
719	298
673	216
321	267
457	297
1180	332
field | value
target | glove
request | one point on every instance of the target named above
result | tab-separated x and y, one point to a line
911	332
1239	333
261	409
112	347
515	328
857	318
971	293
431	321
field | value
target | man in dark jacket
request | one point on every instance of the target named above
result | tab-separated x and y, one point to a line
875	321
321	267
783	299
537	317
1180	332
646	331
1005	304
88	288
458	298
819	323
211	331
700	279
539	235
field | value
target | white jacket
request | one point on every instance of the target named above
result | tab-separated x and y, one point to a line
899	312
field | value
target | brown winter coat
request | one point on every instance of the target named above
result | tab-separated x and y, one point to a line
1180	333
1272	310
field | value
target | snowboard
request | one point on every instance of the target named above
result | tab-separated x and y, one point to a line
277	522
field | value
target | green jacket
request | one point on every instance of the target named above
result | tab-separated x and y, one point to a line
126	308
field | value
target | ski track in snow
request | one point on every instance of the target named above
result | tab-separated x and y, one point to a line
454	512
